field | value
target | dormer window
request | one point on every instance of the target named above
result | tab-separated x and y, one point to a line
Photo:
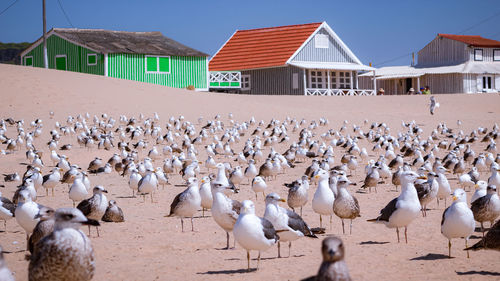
321	41
496	54
478	54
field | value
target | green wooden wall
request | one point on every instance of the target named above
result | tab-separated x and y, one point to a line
76	56
184	71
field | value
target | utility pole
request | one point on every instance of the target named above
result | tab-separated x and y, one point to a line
45	57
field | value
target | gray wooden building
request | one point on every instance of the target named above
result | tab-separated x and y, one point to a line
306	59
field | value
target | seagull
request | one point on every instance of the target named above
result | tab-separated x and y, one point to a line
7	210
480	190
444	185
487	208
134	180
113	213
371	179
494	179
251	171
206	194
401	211
51	180
11	177
66	245
288	224
186	203
5	274
345	206
333	267
433	105
94	207
259	185
298	193
43	228
26	211
458	220
253	232
427	191
148	184
491	241
225	211
78	190
322	202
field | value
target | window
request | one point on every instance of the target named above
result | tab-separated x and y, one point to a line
295	81
321	41
157	64
317	79
333	80
478	54
28	61
344	80
91	59
496	54
245	82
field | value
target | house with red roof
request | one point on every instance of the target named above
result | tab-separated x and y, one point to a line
448	64
304	59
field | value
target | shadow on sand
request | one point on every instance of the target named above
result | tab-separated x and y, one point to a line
234	271
482	272
373	243
431	257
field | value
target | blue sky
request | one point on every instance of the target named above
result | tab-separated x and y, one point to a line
376	31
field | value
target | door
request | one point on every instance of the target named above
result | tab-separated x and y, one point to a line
61	62
487	83
408	84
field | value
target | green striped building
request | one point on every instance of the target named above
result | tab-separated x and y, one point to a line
141	56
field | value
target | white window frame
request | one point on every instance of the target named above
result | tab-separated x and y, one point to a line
88	55
321	41
478	54
246	82
32	62
157	64
333	79
496	54
324	78
65	61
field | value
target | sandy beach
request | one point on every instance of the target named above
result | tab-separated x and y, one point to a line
148	246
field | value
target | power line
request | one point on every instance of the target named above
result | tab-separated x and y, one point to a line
5	10
479	23
393	59
66	15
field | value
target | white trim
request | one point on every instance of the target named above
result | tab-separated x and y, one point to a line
95	55
106	64
157	64
208	74
65	61
335	37
478	50
223	45
24	60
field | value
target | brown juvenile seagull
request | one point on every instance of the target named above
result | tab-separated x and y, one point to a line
113	213
66	254
333	267
94	207
43	228
491	241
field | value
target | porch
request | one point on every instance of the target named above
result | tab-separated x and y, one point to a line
331	82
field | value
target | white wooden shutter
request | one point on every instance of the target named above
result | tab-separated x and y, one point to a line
479	84
295	81
497	82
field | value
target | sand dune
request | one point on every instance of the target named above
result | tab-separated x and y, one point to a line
150	247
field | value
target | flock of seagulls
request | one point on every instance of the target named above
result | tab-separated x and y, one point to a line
216	159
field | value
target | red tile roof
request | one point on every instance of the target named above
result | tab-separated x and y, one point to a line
260	48
473	40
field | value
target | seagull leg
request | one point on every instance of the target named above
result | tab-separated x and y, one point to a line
397	232
248	260
350	228
406	234
321	222
289	248
467	246
482	228
202	212
227	240
343	230
330	222
301	211
258	261
89	229
449	248
151	197
53	192
97	230
46	192
192	226
255	196
73	204
279	249
182	224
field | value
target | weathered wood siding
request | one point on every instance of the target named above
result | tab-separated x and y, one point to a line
334	52
274	81
443	51
443	83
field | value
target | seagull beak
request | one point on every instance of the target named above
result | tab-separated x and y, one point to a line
422	178
316	176
202	181
454	198
476	186
91	222
37	216
282	200
105	191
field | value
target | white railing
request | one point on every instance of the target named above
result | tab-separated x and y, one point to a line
225	80
339	92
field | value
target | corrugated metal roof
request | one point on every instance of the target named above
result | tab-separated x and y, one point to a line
261	48
109	41
473	40
330	65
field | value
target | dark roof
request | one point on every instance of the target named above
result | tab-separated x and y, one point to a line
109	41
473	40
